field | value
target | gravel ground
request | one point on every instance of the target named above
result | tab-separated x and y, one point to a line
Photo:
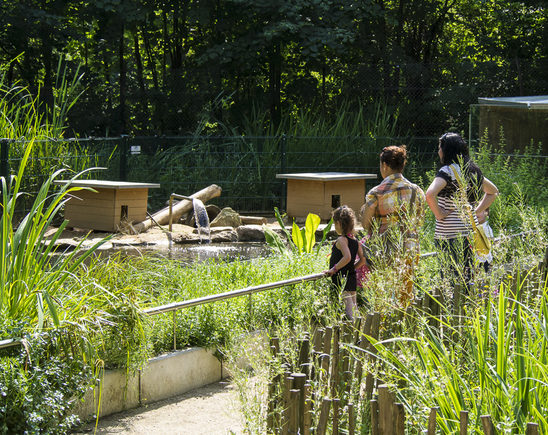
212	409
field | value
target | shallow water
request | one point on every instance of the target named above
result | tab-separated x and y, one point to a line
196	253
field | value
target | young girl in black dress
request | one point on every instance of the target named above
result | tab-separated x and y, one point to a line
343	258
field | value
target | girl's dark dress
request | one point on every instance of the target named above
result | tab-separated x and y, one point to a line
347	271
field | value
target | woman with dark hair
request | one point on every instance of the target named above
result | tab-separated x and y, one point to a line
458	186
392	215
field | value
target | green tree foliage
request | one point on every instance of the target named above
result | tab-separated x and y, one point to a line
155	67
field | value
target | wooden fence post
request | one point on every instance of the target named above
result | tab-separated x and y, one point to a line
307	418
374	407
532	429
336	403
324	416
351	419
298	384
432	421
463	423
400	419
386	417
488	428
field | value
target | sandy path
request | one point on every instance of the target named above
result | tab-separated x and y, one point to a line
212	409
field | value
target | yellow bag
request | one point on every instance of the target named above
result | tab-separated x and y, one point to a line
482	243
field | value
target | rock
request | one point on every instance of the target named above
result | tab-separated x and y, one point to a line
227	217
184	238
225	236
253	220
250	233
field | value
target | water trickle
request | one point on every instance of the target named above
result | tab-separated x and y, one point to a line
201	218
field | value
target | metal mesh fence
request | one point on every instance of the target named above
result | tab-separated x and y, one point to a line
244	167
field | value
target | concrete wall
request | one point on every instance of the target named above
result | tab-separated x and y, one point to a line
164	376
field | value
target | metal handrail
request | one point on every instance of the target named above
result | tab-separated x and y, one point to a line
231	294
175	306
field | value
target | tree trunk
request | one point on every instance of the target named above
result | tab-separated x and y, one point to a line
184	206
122	80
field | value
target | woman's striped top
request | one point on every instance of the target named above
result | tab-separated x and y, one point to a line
457	223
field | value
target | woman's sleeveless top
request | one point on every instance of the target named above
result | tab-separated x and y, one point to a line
347	272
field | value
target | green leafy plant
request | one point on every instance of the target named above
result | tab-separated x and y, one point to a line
301	239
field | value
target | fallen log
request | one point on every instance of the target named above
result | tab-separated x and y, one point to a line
180	208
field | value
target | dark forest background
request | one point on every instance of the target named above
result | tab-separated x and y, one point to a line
163	67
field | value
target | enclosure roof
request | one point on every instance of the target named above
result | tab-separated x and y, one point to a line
326	176
532	102
106	184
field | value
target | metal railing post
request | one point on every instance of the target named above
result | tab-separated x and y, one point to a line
4	158
123	150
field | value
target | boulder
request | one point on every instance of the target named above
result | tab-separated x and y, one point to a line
225	236
227	218
250	233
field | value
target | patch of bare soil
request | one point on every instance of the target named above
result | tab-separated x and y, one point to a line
212	409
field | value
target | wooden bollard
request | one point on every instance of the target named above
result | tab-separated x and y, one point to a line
298	384
327	340
304	355
369	385
275	345
335	403
324	364
351	419
488	428
294	411
317	340
432	421
287	382
347	381
386	417
307	414
375	326
532	429
374	408
399	412
271	408
357	324
324	416
463	423
335	362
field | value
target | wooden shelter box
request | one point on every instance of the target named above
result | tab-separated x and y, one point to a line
321	192
107	205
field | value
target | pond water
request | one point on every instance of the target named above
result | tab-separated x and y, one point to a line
195	253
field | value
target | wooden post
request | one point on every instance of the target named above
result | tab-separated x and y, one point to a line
351	419
275	345
336	403
400	419
327	340
374	407
463	423
307	418
386	419
288	380
488	428
335	362
432	421
369	385
532	429
294	412
324	416
298	384
304	358
317	340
